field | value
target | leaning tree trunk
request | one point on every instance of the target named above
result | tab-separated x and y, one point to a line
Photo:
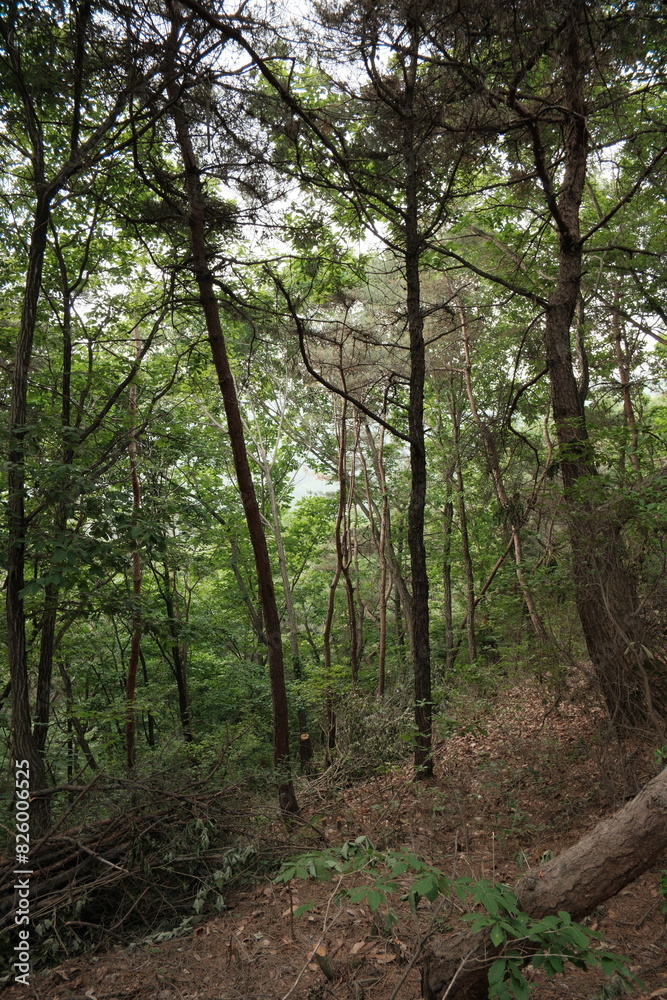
197	222
594	869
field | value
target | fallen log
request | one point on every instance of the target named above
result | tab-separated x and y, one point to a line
617	851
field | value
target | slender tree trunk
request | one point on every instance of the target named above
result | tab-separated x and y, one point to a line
447	525
197	222
135	642
393	561
499	485
51	592
624	378
328	621
463	527
266	465
420	641
346	542
305	741
73	723
24	746
150	721
380	537
178	657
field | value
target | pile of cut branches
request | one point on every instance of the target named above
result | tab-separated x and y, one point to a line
152	855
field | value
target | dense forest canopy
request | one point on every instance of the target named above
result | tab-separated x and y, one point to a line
416	248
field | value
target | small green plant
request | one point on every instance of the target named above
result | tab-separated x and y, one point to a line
551	941
662	889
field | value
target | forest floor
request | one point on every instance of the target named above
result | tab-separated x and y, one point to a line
528	776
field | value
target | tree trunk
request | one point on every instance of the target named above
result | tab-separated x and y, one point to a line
594	869
51	592
420	644
604	588
178	652
135	644
499	485
393	559
624	378
380	537
266	465
328	621
471	603
24	746
447	525
200	264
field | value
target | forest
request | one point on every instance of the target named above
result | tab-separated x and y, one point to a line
333	361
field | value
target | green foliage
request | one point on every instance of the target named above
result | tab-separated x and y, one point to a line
549	941
662	887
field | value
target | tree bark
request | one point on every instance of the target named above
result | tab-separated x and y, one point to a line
616	851
135	643
380	538
328	621
197	219
178	649
24	746
393	560
420	644
471	603
624	378
605	592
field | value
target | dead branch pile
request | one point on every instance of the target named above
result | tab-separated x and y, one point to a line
154	853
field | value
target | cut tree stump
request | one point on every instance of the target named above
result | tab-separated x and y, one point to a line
594	869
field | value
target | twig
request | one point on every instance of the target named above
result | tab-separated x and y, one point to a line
312	954
459	970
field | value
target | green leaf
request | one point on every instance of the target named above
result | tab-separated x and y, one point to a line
497	935
497	971
375	899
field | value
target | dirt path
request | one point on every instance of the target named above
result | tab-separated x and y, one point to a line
530	779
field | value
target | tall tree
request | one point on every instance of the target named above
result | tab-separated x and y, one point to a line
197	216
89	94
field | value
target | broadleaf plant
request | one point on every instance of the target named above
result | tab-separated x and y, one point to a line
551	940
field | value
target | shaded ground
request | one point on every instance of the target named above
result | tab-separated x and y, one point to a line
530	779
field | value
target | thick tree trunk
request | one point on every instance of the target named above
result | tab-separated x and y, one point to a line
594	869
200	264
632	686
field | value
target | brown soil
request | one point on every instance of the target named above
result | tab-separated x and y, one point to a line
531	779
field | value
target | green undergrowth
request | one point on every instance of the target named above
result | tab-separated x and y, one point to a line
488	907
